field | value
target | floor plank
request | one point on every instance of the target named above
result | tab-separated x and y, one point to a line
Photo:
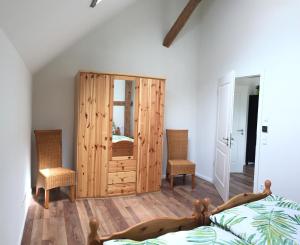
67	223
242	182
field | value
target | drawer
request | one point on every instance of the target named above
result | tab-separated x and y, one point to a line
121	166
121	177
121	189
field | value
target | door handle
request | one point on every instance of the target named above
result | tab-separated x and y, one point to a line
227	141
241	131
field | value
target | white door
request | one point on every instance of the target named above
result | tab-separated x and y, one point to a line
223	134
239	128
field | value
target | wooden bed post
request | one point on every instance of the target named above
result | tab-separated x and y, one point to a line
201	211
93	238
267	189
244	198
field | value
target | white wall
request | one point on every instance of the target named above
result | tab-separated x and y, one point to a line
15	127
249	37
130	43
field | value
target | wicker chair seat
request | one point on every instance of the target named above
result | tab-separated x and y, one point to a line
181	167
56	177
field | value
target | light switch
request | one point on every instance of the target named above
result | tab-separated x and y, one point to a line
265	129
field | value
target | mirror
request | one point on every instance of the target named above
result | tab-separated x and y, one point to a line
123	118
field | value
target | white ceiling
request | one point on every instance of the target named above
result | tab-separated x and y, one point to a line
41	29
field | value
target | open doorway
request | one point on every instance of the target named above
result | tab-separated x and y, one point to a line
244	134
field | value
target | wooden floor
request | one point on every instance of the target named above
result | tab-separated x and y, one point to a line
242	182
67	223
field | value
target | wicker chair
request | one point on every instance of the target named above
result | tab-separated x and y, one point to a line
51	174
177	141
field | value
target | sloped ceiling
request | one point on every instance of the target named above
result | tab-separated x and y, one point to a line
41	29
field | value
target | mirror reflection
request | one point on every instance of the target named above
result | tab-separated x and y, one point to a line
123	118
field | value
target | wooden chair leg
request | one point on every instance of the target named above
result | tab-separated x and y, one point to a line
72	193
172	181
184	178
37	189
47	192
193	181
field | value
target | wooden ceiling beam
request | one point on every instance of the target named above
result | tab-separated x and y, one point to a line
180	22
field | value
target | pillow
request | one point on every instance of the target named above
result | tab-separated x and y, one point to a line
273	220
205	235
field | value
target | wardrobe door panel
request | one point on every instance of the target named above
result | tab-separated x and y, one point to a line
143	136
150	135
92	134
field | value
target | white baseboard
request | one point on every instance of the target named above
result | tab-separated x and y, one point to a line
209	179
236	168
199	176
26	207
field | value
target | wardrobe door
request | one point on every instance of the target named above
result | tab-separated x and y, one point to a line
150	134
93	98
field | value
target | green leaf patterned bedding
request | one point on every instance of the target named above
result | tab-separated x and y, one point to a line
205	235
273	220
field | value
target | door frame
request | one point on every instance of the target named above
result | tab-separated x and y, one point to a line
245	126
260	120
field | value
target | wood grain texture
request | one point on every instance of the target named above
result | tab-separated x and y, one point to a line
121	189
242	182
180	22
92	134
122	166
130	211
244	198
150	134
122	148
155	227
128	107
94	147
122	177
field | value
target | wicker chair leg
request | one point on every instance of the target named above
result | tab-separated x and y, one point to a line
47	192
172	181
72	193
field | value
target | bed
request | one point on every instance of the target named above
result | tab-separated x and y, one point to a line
122	146
247	218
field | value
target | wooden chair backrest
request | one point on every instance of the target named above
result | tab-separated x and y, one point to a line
49	148
177	142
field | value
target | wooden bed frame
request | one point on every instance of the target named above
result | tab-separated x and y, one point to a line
122	148
157	227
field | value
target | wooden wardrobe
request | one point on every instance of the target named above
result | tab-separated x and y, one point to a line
106	167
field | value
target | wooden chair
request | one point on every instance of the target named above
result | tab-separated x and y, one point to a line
51	174
177	141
